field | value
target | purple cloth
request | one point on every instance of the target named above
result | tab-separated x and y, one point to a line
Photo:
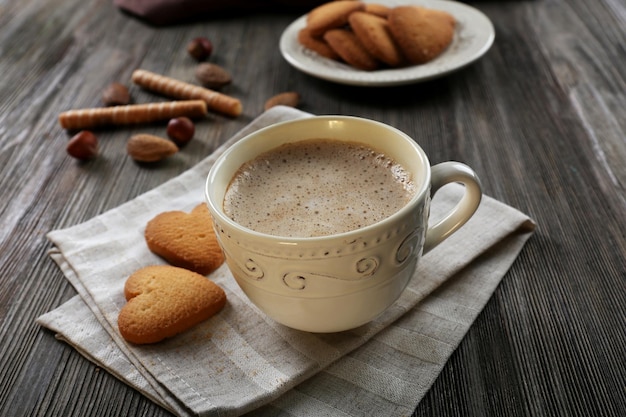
167	12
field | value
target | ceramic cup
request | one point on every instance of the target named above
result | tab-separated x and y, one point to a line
336	282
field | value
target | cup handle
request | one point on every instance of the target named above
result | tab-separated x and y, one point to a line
445	173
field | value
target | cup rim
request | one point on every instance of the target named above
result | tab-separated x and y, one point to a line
216	208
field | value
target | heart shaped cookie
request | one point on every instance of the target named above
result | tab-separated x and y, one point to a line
164	300
186	240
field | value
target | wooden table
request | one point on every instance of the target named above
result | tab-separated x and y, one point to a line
541	118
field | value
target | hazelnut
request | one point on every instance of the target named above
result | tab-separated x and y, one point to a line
200	48
181	130
115	94
212	76
83	145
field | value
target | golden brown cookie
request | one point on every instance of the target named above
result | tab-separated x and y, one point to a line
163	301
444	18
421	34
186	240
318	45
373	32
331	15
377	9
346	44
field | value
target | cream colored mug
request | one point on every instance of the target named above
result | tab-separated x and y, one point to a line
336	282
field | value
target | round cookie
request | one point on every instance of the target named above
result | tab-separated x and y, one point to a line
373	32
347	45
331	15
444	18
421	34
163	301
316	44
186	240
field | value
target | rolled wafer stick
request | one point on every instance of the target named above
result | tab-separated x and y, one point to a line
131	114
171	87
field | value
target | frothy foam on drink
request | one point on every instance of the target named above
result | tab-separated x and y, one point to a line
317	187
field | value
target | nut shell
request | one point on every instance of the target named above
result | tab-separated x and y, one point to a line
212	75
83	146
181	130
200	48
149	148
115	94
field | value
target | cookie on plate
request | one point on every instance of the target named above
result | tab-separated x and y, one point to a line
373	32
315	44
377	9
421	34
163	301
186	240
348	47
331	15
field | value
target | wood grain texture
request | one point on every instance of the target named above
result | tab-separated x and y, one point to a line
541	119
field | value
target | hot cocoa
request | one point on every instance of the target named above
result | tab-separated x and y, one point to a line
317	187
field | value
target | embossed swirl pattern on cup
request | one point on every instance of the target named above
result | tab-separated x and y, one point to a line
361	269
398	252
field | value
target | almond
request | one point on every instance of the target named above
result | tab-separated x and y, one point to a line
289	98
150	148
212	76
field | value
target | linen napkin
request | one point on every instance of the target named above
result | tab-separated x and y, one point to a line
240	360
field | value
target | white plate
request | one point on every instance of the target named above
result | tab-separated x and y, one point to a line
474	35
